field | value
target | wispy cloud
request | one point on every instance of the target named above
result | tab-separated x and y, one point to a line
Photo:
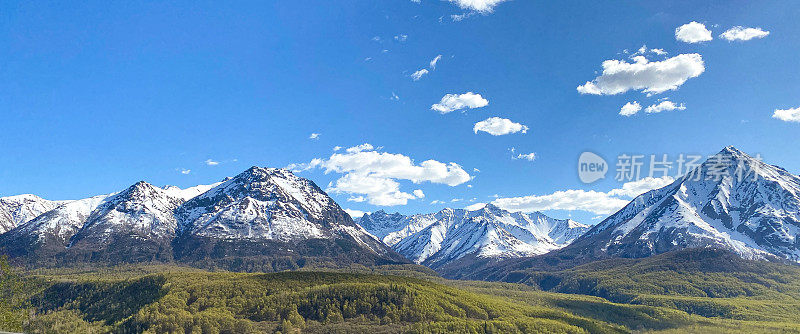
419	74
739	33
314	136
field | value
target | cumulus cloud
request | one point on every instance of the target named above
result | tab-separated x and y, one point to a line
787	115
665	105
656	77
497	126
739	33
630	108
601	203
636	188
693	32
482	6
210	162
373	176
314	136
434	61
185	171
419	74
453	102
355	213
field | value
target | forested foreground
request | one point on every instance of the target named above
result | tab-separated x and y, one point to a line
165	299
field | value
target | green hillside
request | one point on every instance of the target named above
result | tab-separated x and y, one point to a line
168	299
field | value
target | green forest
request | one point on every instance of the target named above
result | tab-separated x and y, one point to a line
660	294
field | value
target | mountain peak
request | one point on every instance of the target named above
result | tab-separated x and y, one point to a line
732	201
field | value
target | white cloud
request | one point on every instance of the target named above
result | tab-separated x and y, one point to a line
394	97
377	190
418	74
665	105
659	52
453	102
583	200
314	136
434	202
529	157
476	206
355	213
787	115
636	188
359	148
456	200
401	38
630	108
185	171
743	34
497	126
372	176
433	62
619	76
210	162
336	148
693	32
482	6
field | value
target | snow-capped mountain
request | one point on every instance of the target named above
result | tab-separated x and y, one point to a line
451	234
49	233
137	224
380	224
732	201
17	210
271	205
260	212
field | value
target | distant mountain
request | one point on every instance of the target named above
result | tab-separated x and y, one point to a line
17	210
439	239
731	202
262	219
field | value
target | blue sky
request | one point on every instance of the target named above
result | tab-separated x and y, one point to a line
97	96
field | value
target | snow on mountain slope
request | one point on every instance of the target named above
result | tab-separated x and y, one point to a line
17	210
142	210
191	192
57	224
490	232
732	201
268	204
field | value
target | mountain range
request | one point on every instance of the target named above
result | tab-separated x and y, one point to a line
260	218
270	219
732	202
440	238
